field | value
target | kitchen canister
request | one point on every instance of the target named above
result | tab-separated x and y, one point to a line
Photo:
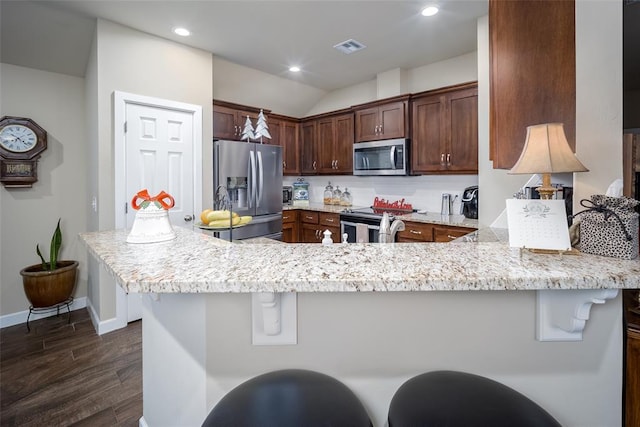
300	193
151	224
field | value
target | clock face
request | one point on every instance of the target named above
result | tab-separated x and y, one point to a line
17	138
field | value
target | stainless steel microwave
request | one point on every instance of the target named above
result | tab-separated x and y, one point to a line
388	157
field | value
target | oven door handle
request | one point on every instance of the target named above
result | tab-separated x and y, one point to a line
353	224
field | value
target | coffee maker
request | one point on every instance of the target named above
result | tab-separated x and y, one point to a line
470	202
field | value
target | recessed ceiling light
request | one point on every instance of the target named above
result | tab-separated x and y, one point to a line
182	31
429	11
294	69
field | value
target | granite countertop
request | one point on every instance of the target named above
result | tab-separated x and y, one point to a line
195	262
429	217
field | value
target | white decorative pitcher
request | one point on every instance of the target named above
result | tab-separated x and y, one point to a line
151	224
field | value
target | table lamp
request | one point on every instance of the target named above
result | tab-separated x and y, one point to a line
546	151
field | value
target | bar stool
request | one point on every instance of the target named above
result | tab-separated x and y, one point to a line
289	398
459	399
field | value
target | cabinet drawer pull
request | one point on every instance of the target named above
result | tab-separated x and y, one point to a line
314	165
308	217
284	217
448	159
329	219
442	159
451	237
415	232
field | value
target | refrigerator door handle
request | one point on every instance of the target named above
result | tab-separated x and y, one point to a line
252	174
261	179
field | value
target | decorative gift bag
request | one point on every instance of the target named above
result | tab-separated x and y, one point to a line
609	226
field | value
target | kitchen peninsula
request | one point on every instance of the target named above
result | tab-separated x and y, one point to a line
197	318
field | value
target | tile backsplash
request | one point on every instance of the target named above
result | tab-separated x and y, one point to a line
423	192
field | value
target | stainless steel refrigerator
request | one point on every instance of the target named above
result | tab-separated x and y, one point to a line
252	176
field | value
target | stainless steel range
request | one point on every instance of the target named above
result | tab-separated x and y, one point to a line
363	224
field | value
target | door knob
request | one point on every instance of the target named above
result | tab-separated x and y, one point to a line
188	218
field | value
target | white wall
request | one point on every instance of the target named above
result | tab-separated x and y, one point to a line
29	216
246	86
449	72
598	96
134	62
373	342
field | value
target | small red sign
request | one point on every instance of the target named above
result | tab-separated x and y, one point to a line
398	205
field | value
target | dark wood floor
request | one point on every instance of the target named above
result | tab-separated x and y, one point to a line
62	374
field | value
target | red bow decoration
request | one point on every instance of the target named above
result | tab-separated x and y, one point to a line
159	200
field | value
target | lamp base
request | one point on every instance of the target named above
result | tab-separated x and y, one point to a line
546	190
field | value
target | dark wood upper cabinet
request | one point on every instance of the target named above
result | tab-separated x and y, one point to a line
444	135
327	143
308	144
384	119
284	132
229	119
532	72
335	144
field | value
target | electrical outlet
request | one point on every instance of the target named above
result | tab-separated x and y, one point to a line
94	204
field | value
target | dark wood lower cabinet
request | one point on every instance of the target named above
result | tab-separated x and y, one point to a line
313	229
632	359
415	232
447	234
290	227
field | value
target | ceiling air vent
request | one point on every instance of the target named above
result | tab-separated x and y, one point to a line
349	46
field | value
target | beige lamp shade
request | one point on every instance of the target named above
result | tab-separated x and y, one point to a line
546	151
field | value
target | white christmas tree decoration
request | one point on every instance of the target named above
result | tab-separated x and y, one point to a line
261	127
247	131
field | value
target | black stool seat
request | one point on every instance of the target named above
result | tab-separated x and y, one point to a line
289	398
458	399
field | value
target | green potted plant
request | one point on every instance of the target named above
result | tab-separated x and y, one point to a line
50	282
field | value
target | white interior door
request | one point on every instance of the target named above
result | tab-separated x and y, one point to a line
159	157
158	146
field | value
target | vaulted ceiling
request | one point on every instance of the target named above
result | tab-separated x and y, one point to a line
270	36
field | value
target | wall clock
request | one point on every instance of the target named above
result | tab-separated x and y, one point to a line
21	142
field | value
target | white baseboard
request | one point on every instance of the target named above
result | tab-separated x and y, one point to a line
21	316
104	326
142	422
